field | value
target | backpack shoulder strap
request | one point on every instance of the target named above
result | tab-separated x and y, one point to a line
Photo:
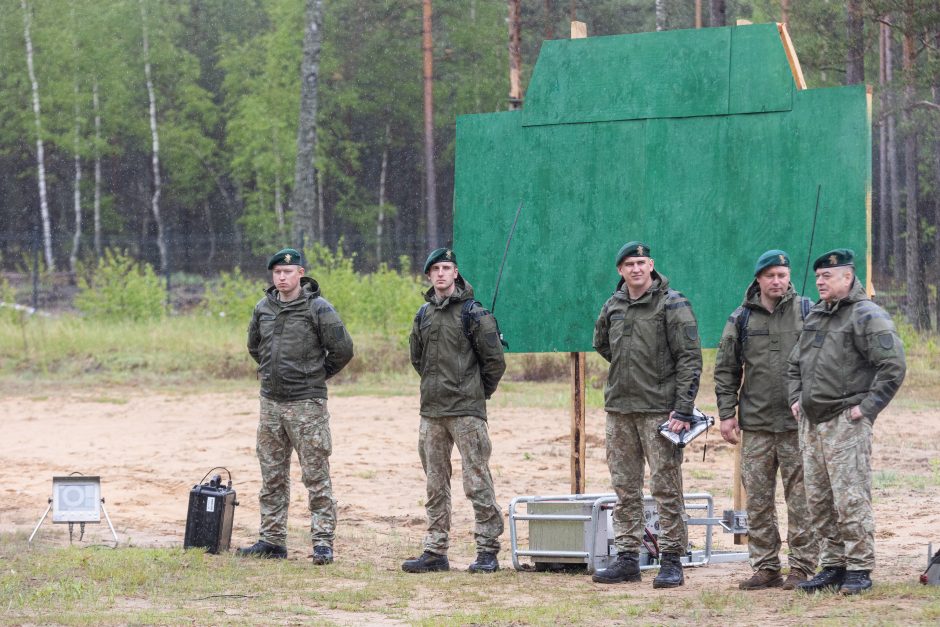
805	305
422	310
743	316
466	316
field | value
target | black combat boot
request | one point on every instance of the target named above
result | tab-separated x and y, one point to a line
626	568
322	555
670	572
263	549
856	582
427	563
486	563
828	578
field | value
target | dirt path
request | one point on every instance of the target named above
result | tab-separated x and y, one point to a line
150	450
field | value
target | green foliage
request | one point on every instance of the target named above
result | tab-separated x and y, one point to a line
120	288
233	297
384	301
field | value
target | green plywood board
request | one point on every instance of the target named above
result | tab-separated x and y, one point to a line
708	193
761	80
680	73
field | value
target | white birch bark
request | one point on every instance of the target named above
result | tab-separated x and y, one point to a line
77	191
380	220
76	147
40	154
155	139
97	201
660	14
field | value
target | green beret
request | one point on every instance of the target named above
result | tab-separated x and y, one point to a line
834	258
439	254
632	249
285	257
771	258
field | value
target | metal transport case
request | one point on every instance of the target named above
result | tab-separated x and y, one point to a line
210	515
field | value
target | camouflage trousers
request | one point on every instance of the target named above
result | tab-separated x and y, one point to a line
837	474
436	440
631	439
763	453
303	426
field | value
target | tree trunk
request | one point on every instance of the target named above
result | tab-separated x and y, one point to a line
894	175
884	211
855	38
936	236
515	57
380	221
698	13
304	194
430	179
155	142
278	204
97	201
660	15
77	191
916	285
785	12
40	153
549	20
717	15
574	10
321	210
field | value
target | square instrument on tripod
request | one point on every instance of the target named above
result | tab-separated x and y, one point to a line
210	514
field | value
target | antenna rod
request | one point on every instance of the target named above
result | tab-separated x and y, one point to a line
812	236
505	252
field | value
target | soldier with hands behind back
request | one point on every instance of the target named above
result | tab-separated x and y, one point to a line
847	367
750	375
649	334
455	347
298	341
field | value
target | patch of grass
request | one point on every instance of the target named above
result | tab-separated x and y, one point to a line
702	474
887	479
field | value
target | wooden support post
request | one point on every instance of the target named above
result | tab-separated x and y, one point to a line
578	30
738	495
792	59
578	435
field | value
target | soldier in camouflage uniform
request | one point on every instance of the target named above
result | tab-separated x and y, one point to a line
456	348
754	347
649	334
298	341
848	365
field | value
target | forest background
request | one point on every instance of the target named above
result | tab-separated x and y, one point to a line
199	135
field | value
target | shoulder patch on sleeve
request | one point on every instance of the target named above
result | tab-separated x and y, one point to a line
339	333
886	341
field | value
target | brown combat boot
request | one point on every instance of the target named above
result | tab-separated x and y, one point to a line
762	579
795	578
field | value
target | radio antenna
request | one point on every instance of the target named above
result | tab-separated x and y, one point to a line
502	265
812	236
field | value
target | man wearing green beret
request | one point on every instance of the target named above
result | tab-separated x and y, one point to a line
848	365
298	341
751	387
456	348
648	333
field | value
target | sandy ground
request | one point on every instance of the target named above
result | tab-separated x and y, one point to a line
150	449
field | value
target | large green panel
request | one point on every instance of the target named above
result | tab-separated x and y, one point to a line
709	194
761	80
625	77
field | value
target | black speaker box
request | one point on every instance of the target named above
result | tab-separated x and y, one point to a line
210	516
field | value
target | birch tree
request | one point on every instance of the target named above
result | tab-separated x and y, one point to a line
157	187
304	195
40	153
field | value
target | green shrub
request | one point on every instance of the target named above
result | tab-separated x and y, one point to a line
384	301
119	288
233	297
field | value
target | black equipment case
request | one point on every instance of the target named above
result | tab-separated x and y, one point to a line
210	515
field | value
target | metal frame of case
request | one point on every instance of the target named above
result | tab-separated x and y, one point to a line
595	557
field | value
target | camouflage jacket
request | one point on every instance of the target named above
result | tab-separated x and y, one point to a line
848	354
760	359
457	373
297	345
653	348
